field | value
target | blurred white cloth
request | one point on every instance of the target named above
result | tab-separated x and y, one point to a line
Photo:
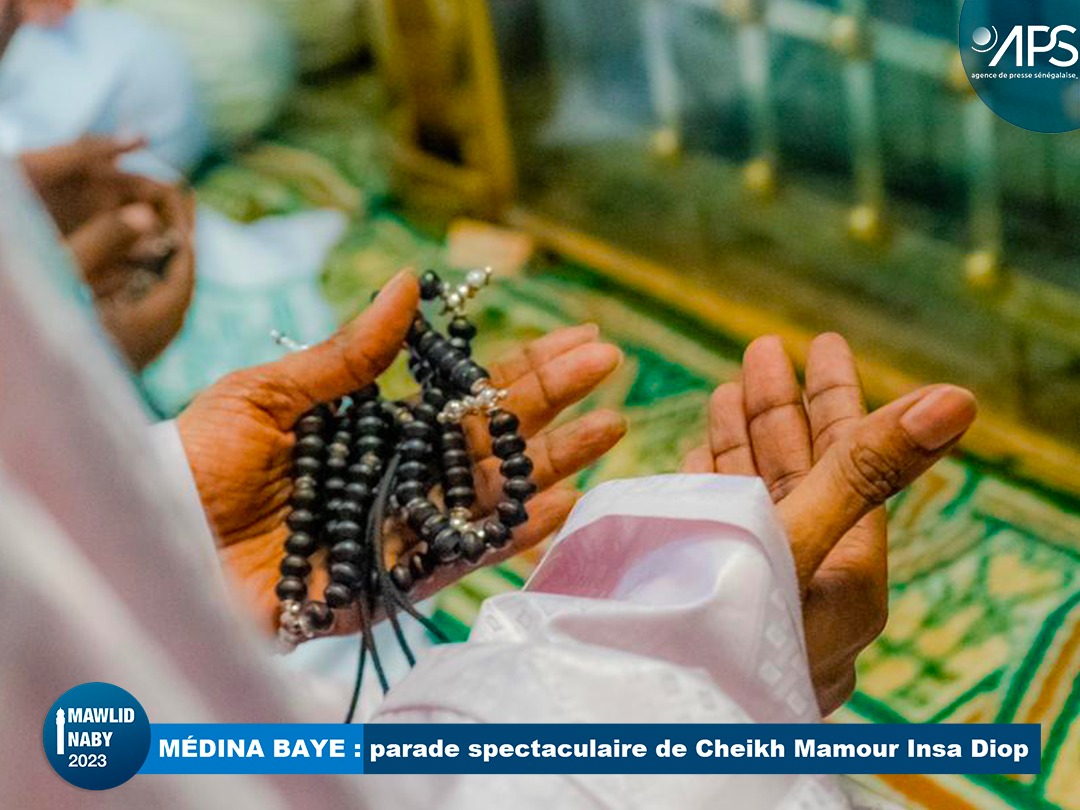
664	600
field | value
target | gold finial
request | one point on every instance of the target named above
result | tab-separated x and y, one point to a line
666	142
759	177
745	11
846	36
982	270
957	76
866	224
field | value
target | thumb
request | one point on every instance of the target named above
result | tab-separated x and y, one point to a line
885	452
105	240
349	360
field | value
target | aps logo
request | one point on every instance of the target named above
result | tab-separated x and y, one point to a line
1022	58
1029	41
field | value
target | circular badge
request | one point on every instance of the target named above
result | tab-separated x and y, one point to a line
96	736
1023	59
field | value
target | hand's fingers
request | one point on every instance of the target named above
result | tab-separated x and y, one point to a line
536	353
145	327
129	188
835	404
349	360
105	240
729	440
541	394
177	208
779	433
833	393
75	159
556	454
94	149
884	453
698	461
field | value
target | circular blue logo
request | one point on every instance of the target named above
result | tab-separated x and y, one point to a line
96	736
1023	59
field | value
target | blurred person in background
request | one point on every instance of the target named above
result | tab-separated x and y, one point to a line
107	110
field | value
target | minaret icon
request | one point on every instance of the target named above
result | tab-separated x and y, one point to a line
59	732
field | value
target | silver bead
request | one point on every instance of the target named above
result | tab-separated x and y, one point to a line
459	518
286	342
291	630
488	399
478	278
454	301
453	411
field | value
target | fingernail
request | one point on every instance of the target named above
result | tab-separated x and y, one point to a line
939	417
140	217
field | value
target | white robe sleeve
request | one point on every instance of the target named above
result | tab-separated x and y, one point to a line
663	600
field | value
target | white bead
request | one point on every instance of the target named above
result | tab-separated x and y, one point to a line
453	411
476	279
487	398
453	301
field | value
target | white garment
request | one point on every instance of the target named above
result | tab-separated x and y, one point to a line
664	600
107	71
102	72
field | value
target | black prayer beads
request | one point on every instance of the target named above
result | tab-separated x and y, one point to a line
365	463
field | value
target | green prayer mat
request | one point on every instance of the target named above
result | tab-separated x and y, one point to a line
985	570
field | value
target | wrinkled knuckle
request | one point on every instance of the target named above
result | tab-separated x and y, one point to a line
241	381
267	392
872	474
782	486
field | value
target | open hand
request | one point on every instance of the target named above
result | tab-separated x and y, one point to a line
829	468
238	437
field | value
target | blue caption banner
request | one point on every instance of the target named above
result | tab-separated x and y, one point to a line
580	749
287	748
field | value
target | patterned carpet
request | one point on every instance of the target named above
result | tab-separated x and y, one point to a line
985	594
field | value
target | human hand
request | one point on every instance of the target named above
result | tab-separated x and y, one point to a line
80	180
829	468
238	438
139	262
